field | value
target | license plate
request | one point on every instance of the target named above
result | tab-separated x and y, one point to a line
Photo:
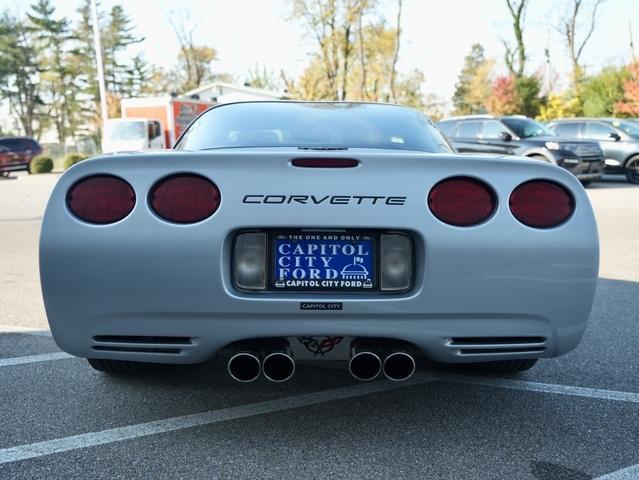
324	261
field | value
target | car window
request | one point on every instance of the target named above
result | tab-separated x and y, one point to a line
598	131
526	127
312	125
629	128
19	144
566	129
492	129
469	129
448	128
125	130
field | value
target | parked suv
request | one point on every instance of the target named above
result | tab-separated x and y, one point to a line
619	140
518	135
16	153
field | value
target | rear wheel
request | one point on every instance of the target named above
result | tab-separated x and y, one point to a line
632	170
504	367
119	367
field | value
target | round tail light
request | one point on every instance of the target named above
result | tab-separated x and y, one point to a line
101	199
184	198
541	204
462	201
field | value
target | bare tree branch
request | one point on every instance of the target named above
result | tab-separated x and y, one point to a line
393	72
517	9
569	27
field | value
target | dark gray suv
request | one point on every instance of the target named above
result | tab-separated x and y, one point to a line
519	135
619	140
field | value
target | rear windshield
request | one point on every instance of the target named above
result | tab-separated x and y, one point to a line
19	144
330	125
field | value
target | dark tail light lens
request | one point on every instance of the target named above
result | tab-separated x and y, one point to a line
101	199
462	201
184	198
541	204
325	162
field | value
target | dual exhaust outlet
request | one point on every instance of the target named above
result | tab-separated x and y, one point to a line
276	365
365	363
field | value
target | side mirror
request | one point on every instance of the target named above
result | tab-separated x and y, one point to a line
505	136
615	136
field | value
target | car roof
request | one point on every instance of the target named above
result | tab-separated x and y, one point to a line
588	119
481	117
467	117
327	103
19	138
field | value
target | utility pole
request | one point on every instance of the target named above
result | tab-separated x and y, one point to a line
98	57
632	45
547	55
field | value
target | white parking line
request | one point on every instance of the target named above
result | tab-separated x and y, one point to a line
614	395
33	450
629	473
44	357
29	330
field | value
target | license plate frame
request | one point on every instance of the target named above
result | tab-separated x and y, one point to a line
361	284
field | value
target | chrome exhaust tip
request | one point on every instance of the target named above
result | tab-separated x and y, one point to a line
278	366
365	365
399	366
244	367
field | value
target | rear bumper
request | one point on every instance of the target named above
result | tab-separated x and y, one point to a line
582	169
14	167
151	337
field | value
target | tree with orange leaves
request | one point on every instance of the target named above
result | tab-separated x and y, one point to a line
504	99
630	104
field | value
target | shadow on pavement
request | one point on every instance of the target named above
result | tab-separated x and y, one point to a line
550	471
611	181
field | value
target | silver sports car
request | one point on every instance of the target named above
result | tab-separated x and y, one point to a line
279	231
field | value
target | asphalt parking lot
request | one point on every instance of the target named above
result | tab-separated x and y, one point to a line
574	417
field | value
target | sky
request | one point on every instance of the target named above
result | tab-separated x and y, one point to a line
437	34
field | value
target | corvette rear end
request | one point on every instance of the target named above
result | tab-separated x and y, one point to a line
175	257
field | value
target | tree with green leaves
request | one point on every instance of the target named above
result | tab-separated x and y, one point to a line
123	79
117	35
473	83
20	74
58	89
600	93
528	88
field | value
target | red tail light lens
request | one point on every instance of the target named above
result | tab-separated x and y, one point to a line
541	204
185	198
462	201
101	199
